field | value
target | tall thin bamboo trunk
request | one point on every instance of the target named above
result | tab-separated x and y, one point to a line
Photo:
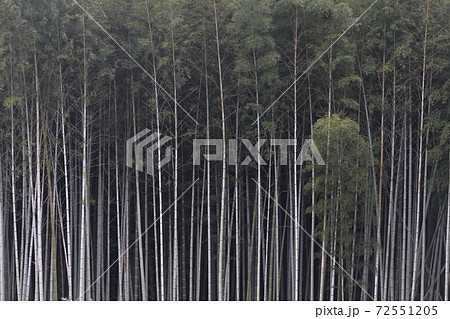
410	196
324	236
52	191
13	184
199	238
237	226
191	233
259	193
138	210
32	199
222	193
447	240
378	261
175	277
404	214
2	239
118	215
25	238
84	195
208	175
40	267
419	178
313	197
296	215
277	234
66	189
391	194
100	233
424	213
158	130
108	217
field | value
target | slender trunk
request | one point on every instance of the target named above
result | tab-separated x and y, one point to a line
236	199
324	236
208	176
199	239
404	215
391	195
66	189
419	179
296	215
108	219
447	245
191	233
13	185
380	183
410	198
313	197
118	215
277	236
138	211
158	130
2	239
40	268
222	194
84	201
259	194
175	278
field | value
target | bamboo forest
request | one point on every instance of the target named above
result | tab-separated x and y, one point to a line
352	206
